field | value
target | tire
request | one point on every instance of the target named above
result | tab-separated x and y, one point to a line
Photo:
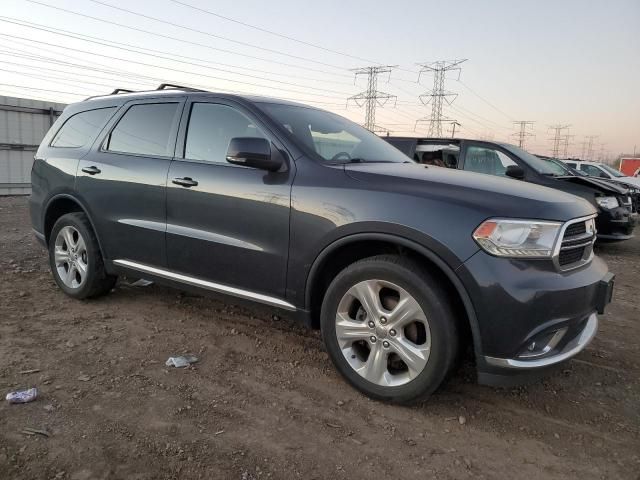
75	258
425	336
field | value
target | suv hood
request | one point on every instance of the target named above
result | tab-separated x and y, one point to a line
604	186
497	196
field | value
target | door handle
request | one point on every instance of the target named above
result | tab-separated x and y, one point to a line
92	170
185	182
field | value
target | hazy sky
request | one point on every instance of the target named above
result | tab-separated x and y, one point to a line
553	62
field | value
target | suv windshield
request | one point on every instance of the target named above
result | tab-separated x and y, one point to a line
332	138
544	167
611	171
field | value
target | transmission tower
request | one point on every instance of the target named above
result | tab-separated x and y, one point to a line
523	133
438	94
565	145
588	155
557	138
371	97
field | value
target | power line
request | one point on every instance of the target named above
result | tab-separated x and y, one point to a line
137	49
565	145
371	97
182	71
177	39
484	99
523	133
438	94
302	42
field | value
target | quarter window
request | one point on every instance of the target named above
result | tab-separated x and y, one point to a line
211	128
486	160
144	129
81	128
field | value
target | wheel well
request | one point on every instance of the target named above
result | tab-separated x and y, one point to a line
55	210
345	255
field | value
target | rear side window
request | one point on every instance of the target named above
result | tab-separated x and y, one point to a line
80	128
144	130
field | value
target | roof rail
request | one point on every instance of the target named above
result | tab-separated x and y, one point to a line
165	86
121	90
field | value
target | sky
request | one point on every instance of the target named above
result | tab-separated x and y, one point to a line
565	62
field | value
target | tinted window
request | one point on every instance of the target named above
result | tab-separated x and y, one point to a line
81	128
486	160
593	171
330	137
571	164
211	128
144	130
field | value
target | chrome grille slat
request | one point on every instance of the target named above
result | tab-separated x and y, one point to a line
575	246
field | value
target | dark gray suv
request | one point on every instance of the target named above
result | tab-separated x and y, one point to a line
400	265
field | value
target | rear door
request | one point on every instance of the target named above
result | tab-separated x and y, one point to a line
122	181
231	225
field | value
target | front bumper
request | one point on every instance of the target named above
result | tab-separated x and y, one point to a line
529	315
572	348
615	224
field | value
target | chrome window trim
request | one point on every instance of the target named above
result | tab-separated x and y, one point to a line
213	286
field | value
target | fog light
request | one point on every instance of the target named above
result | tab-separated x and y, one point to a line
543	343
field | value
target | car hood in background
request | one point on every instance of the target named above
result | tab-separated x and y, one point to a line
605	186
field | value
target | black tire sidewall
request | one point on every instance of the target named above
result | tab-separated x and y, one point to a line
76	221
433	301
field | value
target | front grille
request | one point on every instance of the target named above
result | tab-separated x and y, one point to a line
577	244
575	229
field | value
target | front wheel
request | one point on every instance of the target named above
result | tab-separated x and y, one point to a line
75	258
389	329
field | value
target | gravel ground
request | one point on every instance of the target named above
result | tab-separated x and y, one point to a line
265	401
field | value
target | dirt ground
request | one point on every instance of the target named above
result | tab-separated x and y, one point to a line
265	402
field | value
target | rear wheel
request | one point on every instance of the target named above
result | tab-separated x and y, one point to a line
75	258
389	329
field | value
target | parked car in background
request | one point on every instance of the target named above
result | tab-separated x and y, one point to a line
301	209
596	169
634	191
614	221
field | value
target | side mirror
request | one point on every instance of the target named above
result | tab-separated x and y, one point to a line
253	152
515	171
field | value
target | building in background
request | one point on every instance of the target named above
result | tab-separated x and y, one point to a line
23	125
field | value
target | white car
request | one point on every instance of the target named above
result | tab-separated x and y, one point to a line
601	170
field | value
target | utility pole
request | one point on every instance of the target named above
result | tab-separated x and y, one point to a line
438	94
557	137
453	125
371	97
602	153
523	133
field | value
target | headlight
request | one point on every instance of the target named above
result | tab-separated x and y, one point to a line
517	238
607	202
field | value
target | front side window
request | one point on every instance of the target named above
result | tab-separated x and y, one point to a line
330	137
487	160
144	129
612	171
81	128
211	128
593	171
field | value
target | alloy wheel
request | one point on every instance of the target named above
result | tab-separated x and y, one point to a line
70	257
383	333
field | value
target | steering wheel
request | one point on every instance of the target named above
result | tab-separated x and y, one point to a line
341	154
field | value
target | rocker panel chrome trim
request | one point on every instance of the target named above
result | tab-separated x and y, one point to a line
197	282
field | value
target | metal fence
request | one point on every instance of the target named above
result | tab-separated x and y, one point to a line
23	125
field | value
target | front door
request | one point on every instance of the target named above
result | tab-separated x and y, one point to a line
123	181
227	224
